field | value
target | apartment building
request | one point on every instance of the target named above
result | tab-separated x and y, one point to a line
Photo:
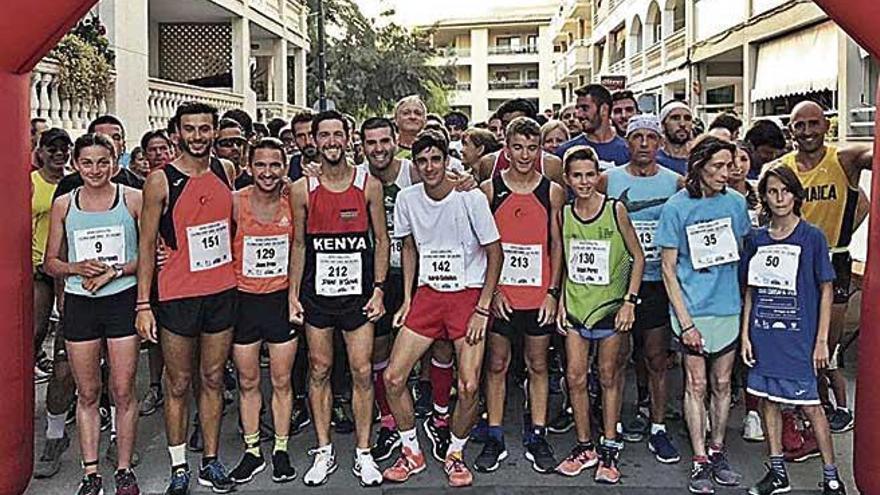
506	54
247	54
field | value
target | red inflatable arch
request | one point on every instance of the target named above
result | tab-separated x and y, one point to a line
29	29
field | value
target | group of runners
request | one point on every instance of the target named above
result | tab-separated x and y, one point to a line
435	258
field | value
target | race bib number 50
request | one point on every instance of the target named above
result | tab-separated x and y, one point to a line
208	245
712	243
775	266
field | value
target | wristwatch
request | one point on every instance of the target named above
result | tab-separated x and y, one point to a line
553	291
633	298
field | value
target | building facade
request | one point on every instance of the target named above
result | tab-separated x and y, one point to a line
497	57
247	54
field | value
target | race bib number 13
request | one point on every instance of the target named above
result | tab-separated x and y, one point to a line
208	245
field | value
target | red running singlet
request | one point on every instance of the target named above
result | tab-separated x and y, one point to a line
523	221
196	230
261	250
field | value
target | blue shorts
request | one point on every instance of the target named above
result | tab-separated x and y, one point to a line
784	390
600	331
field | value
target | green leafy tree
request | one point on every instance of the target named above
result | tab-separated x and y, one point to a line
371	65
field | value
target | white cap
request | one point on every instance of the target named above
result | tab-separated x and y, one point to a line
672	105
647	121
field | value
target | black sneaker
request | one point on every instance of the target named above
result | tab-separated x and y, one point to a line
386	441
91	484
562	423
339	419
437	429
196	442
490	458
841	420
701	479
213	475
282	470
179	484
833	487
299	417
248	467
637	430
771	484
422	403
126	482
540	453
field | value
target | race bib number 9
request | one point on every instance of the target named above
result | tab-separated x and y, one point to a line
775	266
712	243
646	229
104	244
265	256
442	269
589	262
522	265
208	245
338	274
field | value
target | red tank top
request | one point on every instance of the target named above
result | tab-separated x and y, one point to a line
502	163
339	251
196	232
261	250
523	221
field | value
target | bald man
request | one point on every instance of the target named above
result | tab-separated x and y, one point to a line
830	176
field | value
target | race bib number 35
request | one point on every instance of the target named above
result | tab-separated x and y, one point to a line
338	274
104	244
442	269
265	256
712	243
208	245
775	266
588	262
522	265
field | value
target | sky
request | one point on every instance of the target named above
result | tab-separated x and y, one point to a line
415	12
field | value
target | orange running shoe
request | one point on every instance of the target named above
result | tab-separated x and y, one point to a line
457	471
406	465
581	457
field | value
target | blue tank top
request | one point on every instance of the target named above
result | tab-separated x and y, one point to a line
108	236
644	198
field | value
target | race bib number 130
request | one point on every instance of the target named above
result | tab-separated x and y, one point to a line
588	262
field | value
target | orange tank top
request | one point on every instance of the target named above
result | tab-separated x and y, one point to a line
261	250
523	221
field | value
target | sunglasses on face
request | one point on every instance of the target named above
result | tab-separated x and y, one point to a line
230	143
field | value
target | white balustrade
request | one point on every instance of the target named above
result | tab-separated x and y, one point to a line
59	110
166	96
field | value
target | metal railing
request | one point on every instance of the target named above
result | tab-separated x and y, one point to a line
452	51
513	50
514	84
463	86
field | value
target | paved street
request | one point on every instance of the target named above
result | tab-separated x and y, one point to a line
642	475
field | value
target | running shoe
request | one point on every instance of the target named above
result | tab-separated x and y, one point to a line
152	401
422	404
771	484
833	487
339	419
196	442
701	479
323	465
213	475
809	448
841	420
437	429
299	417
580	458
457	472
50	460
179	484
608	471
249	466
366	470
753	430
562	423
126	482
722	472
663	449
491	456
282	470
91	484
636	430
406	465
386	441
539	452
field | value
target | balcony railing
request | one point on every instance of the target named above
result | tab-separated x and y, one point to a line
636	64
165	96
295	16
512	50
674	46
660	55
463	86
618	67
453	52
267	110
514	84
861	123
576	58
60	111
654	57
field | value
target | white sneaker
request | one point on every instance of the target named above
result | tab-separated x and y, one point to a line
752	428
366	469
323	466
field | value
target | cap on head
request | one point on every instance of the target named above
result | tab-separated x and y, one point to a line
673	105
53	134
647	121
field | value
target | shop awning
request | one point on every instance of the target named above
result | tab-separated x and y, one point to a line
798	63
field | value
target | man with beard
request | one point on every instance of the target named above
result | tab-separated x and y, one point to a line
594	112
678	127
189	207
830	176
410	115
337	282
301	124
623	107
231	145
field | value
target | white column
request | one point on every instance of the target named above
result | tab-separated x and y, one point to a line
480	74
279	63
127	30
750	60
299	77
241	55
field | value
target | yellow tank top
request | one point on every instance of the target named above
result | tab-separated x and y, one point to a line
831	200
41	207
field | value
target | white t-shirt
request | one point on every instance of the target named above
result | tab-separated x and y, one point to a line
451	231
